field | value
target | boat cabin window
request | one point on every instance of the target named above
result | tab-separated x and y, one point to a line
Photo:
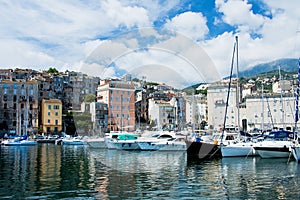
165	136
229	137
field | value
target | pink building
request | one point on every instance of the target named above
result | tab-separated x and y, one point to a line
119	96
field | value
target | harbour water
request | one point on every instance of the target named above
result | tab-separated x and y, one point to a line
50	171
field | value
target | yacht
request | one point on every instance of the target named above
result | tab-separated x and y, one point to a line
122	140
278	144
162	140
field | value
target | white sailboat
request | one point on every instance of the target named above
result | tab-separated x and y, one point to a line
284	142
237	148
296	147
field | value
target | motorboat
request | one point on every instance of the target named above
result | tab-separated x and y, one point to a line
278	144
20	141
72	141
161	140
122	141
171	144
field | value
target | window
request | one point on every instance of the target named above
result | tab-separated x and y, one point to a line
49	107
48	113
56	122
56	107
56	114
49	121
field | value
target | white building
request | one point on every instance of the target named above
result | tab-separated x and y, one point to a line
161	113
269	112
216	104
196	109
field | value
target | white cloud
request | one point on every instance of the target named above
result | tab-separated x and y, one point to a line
239	13
88	34
277	35
190	24
16	53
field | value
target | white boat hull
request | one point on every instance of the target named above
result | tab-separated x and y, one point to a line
121	144
271	152
237	151
67	142
162	146
20	143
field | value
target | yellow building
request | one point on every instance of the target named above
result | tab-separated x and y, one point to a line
51	116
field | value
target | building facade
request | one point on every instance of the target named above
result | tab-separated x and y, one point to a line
216	104
120	98
19	107
51	120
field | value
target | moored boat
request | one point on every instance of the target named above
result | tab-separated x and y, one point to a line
72	141
158	141
122	140
278	144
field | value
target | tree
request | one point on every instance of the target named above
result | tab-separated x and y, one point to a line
52	70
89	98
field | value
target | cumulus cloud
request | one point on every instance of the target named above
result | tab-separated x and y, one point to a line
190	24
239	13
261	39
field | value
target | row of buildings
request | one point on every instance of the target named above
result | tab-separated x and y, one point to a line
40	102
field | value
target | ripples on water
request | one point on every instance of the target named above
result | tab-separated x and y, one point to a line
68	172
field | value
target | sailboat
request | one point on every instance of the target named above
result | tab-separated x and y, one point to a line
211	149
296	147
237	148
283	142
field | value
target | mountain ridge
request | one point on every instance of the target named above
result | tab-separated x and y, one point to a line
286	64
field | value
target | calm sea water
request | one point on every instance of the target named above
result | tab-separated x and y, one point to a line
77	172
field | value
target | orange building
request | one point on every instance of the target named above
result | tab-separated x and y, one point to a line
119	95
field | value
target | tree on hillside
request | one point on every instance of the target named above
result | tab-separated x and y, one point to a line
89	98
52	70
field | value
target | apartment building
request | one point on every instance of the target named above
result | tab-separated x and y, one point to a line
120	98
19	106
51	118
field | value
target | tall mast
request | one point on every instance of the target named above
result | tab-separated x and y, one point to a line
262	107
237	83
228	92
297	102
281	100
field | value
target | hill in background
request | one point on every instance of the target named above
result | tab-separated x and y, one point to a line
286	64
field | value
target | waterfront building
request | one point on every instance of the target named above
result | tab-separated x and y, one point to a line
51	116
269	112
99	117
120	98
78	87
161	114
19	106
216	103
196	109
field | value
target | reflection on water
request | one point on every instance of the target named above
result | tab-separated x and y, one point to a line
54	172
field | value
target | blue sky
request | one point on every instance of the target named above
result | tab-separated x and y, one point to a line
175	42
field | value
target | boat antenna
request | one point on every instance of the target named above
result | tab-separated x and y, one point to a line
228	92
